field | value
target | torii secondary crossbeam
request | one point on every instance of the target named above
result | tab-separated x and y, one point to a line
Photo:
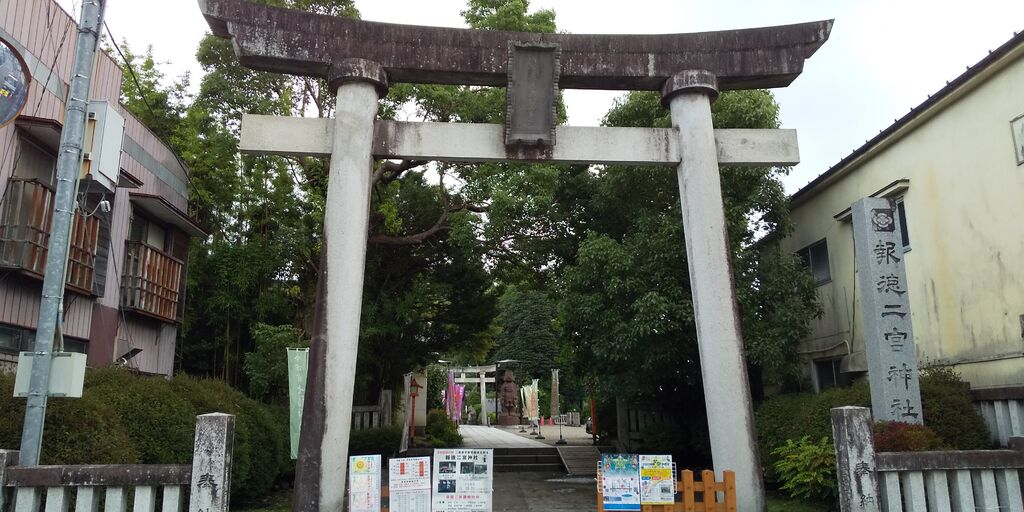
360	58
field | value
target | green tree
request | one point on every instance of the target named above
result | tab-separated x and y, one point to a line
266	367
526	319
625	303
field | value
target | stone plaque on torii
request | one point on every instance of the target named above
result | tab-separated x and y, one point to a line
360	58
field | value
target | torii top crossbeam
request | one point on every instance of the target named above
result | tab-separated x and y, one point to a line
299	43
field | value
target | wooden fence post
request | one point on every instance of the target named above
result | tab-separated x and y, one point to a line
211	463
7	458
855	460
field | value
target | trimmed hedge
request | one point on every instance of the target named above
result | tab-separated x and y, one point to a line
383	441
944	395
123	418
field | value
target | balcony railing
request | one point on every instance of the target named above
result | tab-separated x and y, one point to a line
151	281
25	234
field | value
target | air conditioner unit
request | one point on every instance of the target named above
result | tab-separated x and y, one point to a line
104	133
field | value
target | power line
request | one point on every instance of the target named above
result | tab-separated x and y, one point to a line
142	96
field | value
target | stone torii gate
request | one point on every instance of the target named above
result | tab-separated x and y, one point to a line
477	375
359	59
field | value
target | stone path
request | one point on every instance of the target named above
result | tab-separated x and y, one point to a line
476	436
573	436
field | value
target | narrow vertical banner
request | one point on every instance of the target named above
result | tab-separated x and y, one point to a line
554	394
620	481
463	480
885	303
364	483
298	364
657	483
409	484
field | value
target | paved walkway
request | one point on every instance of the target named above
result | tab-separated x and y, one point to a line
573	436
476	436
532	492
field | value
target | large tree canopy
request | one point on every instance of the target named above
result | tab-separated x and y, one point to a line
589	262
626	304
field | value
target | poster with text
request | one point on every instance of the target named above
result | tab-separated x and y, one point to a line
620	481
657	486
364	483
463	480
409	484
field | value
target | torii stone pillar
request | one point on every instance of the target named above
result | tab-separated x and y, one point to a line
483	400
320	478
689	94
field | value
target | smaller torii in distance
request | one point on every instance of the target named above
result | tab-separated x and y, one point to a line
359	59
477	375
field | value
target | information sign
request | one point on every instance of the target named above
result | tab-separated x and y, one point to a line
409	484
364	483
657	483
620	481
463	480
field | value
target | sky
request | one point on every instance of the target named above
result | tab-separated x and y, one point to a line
883	56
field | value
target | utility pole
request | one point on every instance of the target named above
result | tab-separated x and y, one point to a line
68	169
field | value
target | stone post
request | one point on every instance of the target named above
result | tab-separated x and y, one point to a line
885	303
730	415
855	460
211	463
323	445
8	458
483	399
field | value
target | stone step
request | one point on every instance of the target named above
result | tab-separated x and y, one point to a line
526	468
528	459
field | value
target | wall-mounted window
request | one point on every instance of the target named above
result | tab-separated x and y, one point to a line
17	339
829	375
815	258
901	210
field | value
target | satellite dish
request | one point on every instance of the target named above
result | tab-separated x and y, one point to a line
14	82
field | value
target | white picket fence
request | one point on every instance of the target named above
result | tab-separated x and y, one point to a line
957	481
114	488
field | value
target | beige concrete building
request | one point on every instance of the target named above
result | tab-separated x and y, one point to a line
955	167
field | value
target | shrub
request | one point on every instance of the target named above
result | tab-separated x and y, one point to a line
946	404
895	436
947	408
806	469
384	441
160	423
123	418
793	416
441	431
261	450
77	430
